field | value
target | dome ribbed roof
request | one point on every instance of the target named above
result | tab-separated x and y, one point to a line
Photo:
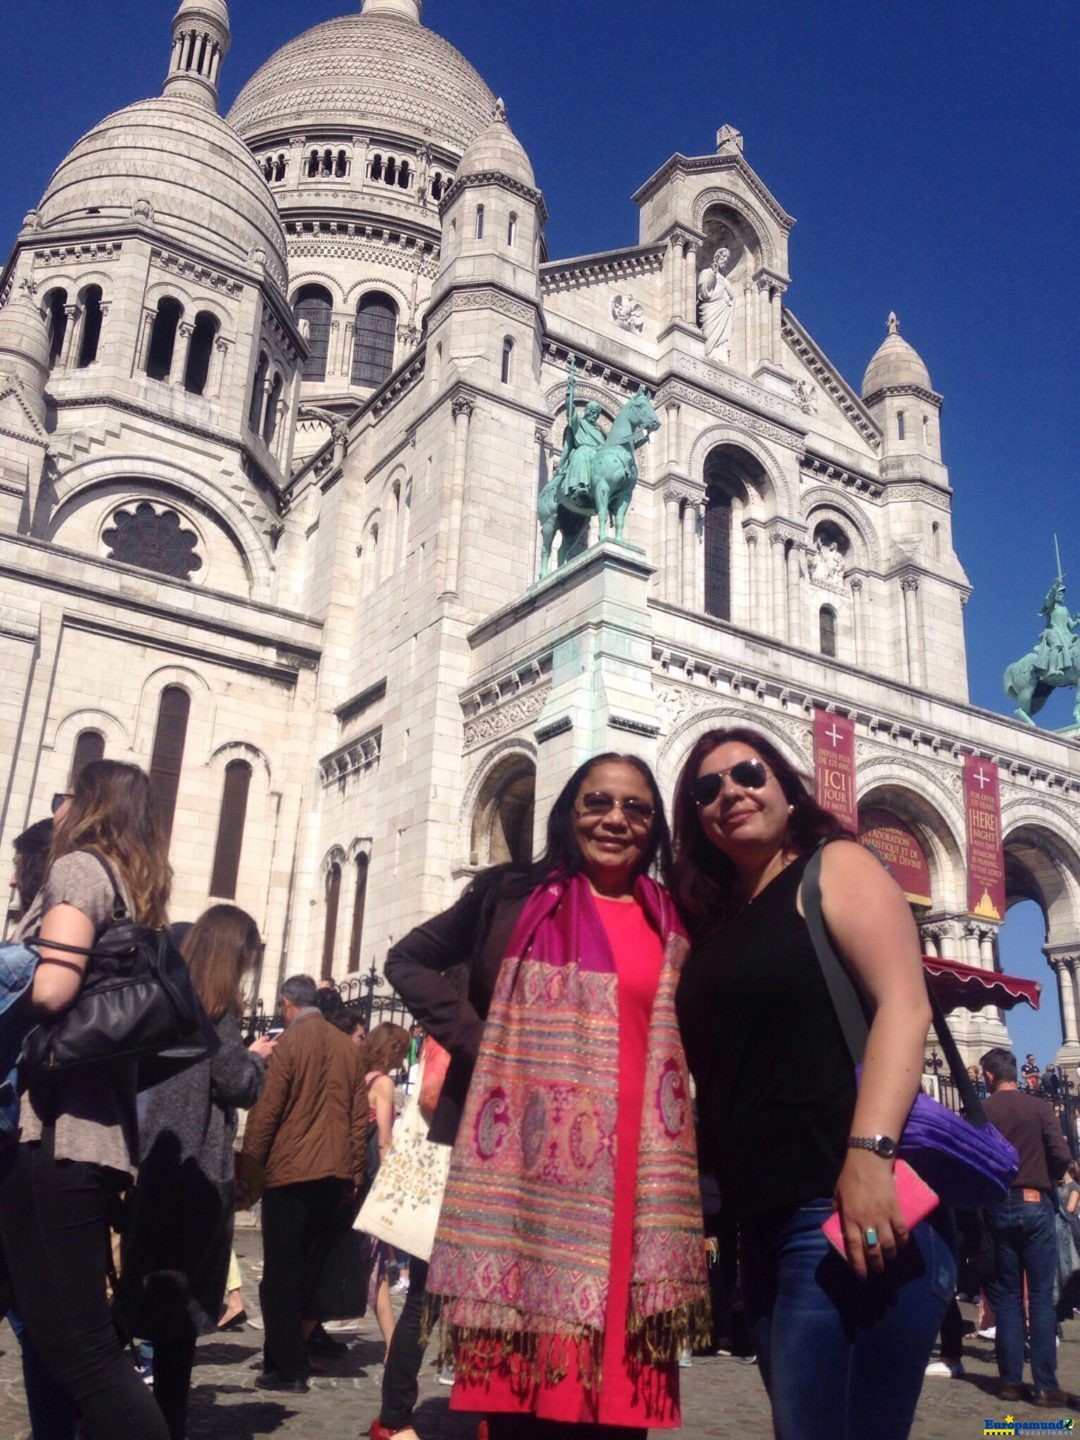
373	70
895	362
184	168
498	148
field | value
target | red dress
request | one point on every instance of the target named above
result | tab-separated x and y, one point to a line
643	1396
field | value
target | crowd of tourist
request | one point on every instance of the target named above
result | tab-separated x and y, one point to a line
618	1017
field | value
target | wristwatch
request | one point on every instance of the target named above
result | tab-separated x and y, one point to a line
883	1145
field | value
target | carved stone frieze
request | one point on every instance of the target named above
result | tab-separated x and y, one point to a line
514	715
351	247
737	419
174	264
360	754
100	252
924	494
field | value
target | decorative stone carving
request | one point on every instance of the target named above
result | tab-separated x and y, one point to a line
628	313
825	566
153	539
514	715
716	305
805	395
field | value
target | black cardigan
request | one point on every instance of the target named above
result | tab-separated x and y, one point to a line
473	936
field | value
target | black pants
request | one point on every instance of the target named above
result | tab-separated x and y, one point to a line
528	1427
400	1386
173	1363
55	1236
295	1218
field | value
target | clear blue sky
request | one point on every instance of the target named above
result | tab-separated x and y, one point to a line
927	150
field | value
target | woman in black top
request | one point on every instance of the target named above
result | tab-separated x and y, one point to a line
842	1347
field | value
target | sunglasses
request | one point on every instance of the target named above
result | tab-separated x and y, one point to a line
747	774
599	803
59	798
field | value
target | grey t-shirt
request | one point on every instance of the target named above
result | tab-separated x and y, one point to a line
94	1114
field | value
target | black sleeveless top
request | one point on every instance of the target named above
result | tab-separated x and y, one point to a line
775	1084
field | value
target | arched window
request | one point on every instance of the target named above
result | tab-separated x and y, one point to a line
90	745
438	184
404	176
373	349
507	360
359	902
900	425
717	553
341	164
91	329
258	385
936	531
268	167
313	164
328	162
167	757
333	902
502	827
376	167
281	167
57	320
159	356
511	230
314	311
200	353
270	419
390	174
926	429
479	222
230	832
827	631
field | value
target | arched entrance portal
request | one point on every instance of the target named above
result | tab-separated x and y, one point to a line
502	826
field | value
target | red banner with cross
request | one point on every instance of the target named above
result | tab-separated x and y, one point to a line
834	766
985	857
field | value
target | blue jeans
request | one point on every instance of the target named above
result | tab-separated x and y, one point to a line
841	1358
1024	1241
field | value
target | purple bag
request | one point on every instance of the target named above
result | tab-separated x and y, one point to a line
966	1161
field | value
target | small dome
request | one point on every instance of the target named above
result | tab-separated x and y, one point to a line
380	70
498	148
895	363
204	9
178	165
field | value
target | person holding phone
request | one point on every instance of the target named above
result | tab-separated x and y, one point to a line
842	1342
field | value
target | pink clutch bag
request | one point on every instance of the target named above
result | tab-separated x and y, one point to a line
915	1198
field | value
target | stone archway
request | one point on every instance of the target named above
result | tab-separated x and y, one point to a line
502	820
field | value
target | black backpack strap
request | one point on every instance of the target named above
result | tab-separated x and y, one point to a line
845	998
120	909
848	1003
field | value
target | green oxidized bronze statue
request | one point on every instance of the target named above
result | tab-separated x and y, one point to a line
1055	661
596	473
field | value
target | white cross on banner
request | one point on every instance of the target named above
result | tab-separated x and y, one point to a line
834	766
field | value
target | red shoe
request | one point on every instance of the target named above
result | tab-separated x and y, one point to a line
379	1431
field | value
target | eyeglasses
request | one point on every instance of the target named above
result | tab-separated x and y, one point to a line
747	774
599	803
59	798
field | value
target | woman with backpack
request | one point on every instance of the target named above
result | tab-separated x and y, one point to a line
78	1135
178	1240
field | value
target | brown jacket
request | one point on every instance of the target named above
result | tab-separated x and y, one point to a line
310	1123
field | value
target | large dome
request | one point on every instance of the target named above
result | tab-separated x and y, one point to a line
379	70
178	165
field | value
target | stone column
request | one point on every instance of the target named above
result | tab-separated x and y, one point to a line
1063	961
462	411
672	496
778	541
181	346
913	631
347	348
540	436
858	624
216	373
690	272
753	577
794	627
928	938
676	282
672	428
72	334
144	339
689	548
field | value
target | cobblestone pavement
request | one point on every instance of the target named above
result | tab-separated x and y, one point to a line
721	1398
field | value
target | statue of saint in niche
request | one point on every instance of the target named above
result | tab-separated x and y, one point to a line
716	306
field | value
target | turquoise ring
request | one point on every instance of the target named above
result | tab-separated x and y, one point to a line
870	1236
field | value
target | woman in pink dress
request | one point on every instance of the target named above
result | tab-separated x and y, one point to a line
569	1264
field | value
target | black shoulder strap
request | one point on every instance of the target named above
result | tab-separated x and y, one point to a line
848	1004
120	909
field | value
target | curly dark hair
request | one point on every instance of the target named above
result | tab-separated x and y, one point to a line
705	883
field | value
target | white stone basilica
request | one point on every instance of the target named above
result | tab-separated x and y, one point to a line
277	394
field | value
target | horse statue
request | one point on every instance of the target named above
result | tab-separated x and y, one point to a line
596	474
1053	664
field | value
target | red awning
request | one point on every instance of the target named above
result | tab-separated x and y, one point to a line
956	984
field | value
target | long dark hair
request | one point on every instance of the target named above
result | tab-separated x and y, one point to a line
112	810
705	883
220	949
562	854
